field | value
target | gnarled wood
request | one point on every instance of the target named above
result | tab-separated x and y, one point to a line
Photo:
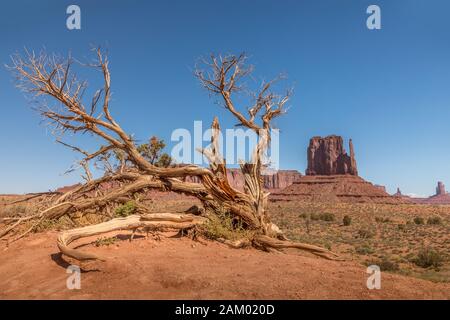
44	76
153	221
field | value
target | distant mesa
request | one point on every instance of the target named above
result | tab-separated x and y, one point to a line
441	196
327	156
332	176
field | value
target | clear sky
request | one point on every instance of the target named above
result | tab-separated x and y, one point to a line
388	89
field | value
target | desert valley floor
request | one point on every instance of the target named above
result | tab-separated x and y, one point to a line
164	266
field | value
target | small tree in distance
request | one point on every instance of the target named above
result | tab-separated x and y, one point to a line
152	151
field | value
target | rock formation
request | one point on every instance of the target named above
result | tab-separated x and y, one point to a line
441	196
332	176
440	189
398	193
335	188
327	156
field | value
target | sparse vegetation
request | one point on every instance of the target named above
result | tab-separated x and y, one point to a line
428	257
382	219
125	209
347	220
385	264
364	249
222	225
367	240
105	241
434	220
365	234
419	220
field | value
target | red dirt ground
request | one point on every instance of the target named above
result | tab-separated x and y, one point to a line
175	268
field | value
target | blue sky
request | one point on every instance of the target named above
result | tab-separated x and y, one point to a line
386	89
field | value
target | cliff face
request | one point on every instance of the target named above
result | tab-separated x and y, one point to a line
327	156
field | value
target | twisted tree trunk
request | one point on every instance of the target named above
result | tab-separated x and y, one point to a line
48	76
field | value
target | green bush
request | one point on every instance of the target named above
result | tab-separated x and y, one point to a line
428	257
434	220
126	209
419	220
347	221
221	225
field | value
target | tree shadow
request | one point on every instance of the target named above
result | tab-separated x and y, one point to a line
59	260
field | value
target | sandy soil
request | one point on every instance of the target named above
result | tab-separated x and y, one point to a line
175	268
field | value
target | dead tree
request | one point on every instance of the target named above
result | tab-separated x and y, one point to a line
46	76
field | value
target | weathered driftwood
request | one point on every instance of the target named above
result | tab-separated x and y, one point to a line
154	221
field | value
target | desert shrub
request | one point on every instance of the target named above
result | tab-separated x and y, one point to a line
434	220
365	234
327	217
303	215
223	225
385	264
314	216
364	249
13	210
428	257
347	221
126	209
401	227
419	220
105	241
51	224
382	220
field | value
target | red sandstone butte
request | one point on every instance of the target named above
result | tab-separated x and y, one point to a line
327	156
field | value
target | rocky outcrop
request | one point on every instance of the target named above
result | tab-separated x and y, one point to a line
281	179
398	193
440	189
327	156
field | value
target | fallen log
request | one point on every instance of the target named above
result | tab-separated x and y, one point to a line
133	222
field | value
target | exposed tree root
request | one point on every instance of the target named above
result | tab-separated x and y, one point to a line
158	221
268	242
151	221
